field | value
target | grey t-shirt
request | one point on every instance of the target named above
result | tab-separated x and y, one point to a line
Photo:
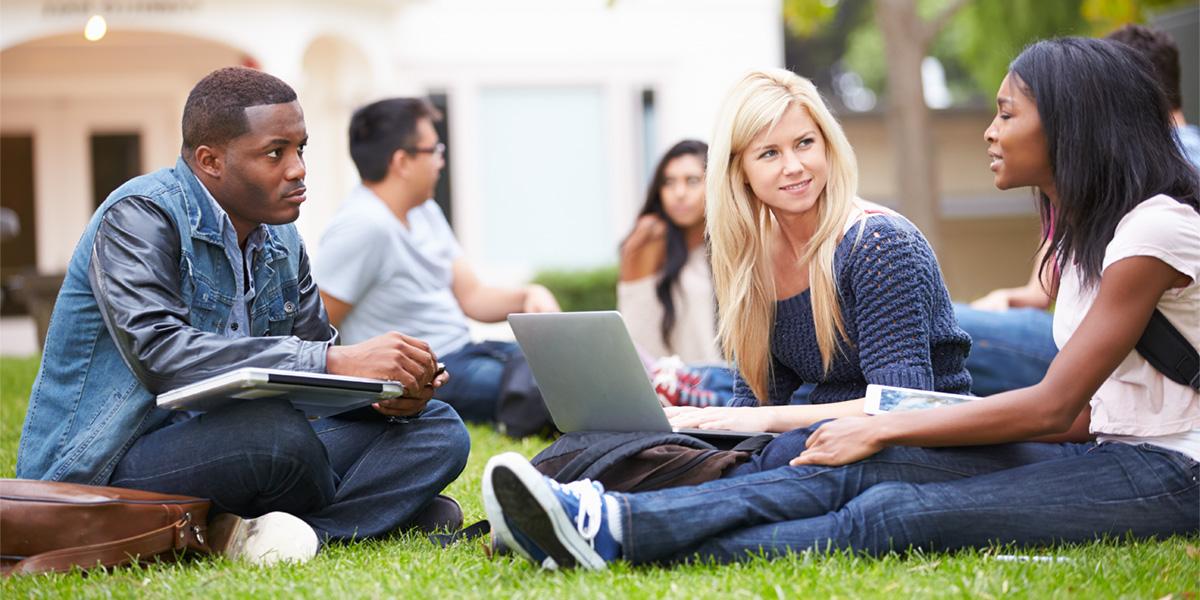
397	278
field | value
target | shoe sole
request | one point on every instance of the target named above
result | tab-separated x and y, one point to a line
228	535
495	515
245	539
526	500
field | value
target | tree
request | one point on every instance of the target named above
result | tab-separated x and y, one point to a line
985	50
907	37
821	47
987	35
906	40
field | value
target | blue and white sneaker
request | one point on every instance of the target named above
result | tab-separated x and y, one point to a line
568	524
508	537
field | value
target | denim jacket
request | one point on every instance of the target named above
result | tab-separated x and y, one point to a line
143	309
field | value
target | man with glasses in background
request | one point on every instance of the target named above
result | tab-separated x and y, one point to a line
389	260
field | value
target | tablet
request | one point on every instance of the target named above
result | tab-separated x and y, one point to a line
317	394
883	398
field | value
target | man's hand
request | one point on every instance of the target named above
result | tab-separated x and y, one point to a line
392	356
841	442
538	299
412	404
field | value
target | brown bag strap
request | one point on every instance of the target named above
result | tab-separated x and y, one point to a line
170	537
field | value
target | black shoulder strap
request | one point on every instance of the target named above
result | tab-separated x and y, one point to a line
1168	351
473	531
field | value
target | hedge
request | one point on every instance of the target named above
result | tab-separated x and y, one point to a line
590	289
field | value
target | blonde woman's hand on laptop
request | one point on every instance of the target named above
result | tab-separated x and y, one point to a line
723	418
776	419
673	411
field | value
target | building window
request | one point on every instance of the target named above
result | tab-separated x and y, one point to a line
18	241
544	164
649	135
116	158
442	194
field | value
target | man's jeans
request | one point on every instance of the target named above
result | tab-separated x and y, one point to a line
347	477
475	372
1009	350
932	499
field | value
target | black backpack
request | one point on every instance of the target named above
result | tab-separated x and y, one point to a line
520	409
636	461
1168	351
640	461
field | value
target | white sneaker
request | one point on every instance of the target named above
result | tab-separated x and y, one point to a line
266	540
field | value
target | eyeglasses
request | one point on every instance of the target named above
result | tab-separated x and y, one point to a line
439	149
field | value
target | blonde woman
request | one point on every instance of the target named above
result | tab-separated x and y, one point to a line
813	284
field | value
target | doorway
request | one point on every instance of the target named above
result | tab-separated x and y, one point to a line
116	158
18	226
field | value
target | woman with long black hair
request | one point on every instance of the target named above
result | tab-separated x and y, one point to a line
665	288
1085	123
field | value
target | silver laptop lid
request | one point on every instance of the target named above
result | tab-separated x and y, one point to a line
589	371
317	394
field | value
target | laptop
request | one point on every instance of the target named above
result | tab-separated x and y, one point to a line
317	394
591	376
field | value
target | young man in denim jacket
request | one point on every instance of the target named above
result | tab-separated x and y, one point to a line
190	272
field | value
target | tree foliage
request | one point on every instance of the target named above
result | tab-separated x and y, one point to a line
805	17
988	34
978	43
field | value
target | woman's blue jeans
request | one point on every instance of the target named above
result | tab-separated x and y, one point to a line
926	498
360	475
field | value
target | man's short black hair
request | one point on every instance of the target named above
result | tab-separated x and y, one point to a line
379	129
215	111
1160	48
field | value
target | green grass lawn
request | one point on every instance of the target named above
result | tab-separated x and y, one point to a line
410	566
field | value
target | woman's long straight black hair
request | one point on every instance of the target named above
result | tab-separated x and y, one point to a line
1111	142
677	250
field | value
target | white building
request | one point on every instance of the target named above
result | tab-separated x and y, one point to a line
556	110
555	107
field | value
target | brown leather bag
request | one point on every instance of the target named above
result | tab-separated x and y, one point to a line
51	526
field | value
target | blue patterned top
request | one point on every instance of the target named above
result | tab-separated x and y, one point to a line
897	314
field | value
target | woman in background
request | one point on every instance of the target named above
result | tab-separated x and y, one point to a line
665	289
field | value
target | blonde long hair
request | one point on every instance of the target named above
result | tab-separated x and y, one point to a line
740	226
